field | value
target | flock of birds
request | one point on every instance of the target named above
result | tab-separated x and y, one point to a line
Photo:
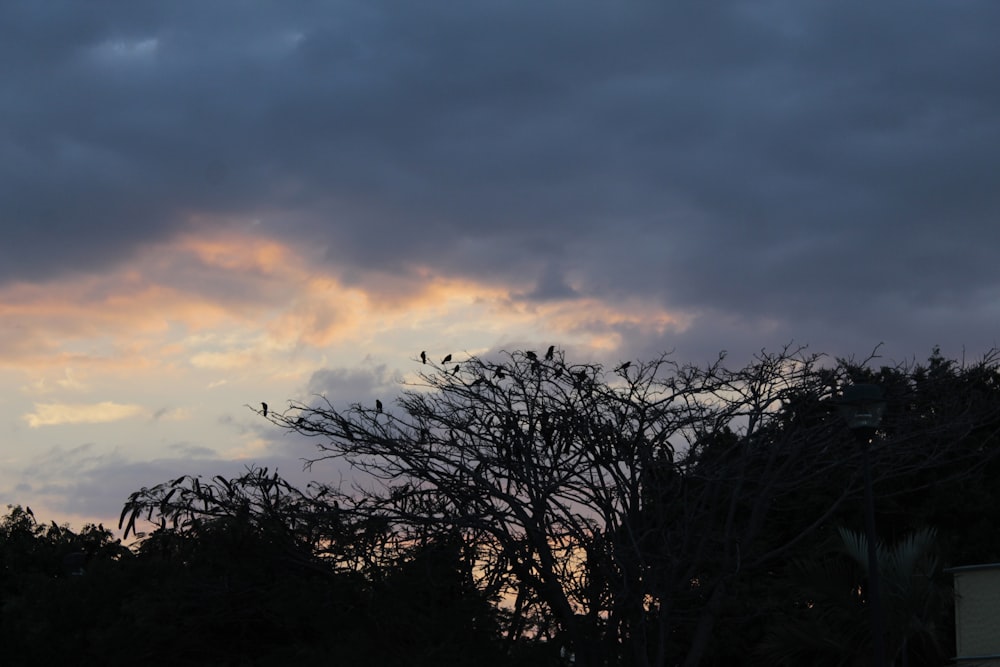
498	372
549	355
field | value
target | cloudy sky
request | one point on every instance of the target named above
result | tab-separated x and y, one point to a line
208	204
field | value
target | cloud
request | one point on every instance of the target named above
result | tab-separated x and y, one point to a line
192	451
50	414
86	483
322	190
342	385
726	157
69	381
172	414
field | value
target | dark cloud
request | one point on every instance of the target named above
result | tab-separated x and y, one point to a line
816	167
342	387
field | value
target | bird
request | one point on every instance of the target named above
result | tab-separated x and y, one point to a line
454	371
549	353
423	357
498	373
446	359
263	408
623	367
378	405
531	355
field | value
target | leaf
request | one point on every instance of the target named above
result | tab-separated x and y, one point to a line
225	482
125	511
131	523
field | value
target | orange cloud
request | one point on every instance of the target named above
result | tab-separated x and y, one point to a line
50	414
240	300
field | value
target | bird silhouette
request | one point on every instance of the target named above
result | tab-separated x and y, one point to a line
623	367
549	353
454	371
498	372
263	408
423	357
378	405
531	355
446	359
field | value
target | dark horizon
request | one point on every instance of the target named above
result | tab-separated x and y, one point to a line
210	206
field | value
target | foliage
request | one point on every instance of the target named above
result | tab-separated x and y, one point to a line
231	585
306	578
46	584
829	625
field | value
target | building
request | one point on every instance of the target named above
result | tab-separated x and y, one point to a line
977	615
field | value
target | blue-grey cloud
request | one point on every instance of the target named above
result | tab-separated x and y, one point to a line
84	480
819	171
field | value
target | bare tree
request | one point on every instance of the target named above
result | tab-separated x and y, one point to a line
617	506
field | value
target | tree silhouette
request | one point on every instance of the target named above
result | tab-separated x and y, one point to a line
269	570
621	516
829	625
527	510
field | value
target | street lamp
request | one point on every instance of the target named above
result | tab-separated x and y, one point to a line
862	407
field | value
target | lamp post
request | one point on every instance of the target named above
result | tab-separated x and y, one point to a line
862	406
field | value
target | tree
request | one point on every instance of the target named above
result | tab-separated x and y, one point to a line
934	461
54	598
252	570
625	514
829	623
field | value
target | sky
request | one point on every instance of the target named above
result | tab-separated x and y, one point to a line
208	204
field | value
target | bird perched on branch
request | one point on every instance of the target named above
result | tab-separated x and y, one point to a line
623	367
454	371
378	405
423	357
263	408
531	355
549	353
446	359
